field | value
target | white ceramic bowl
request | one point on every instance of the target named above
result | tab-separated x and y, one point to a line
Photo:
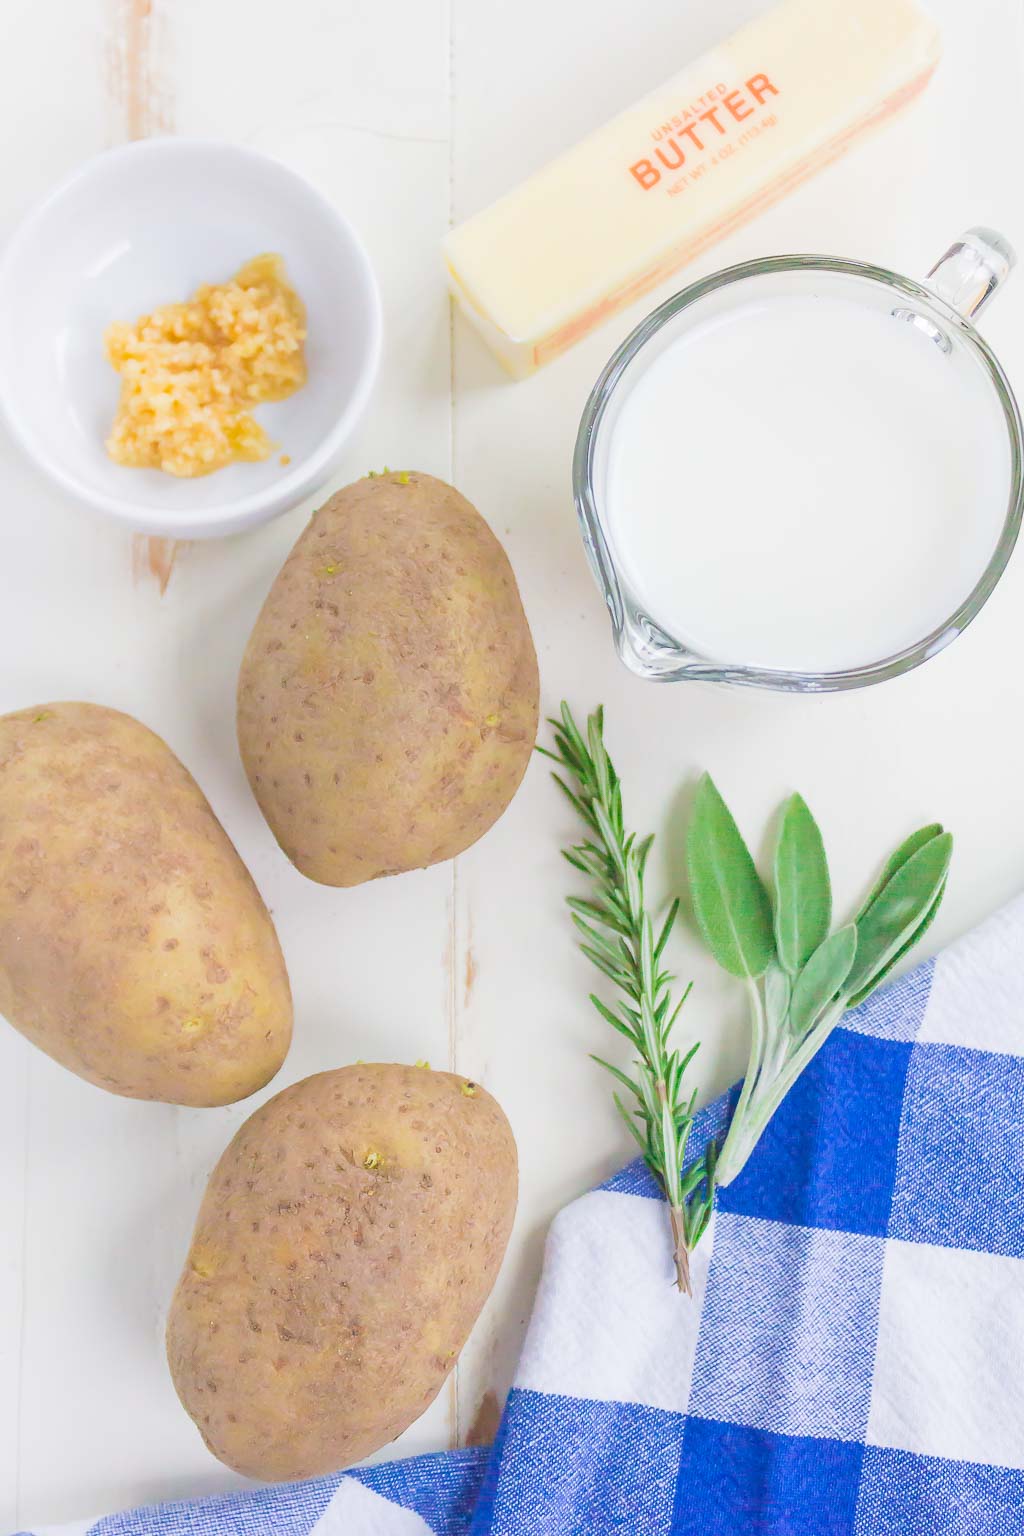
145	225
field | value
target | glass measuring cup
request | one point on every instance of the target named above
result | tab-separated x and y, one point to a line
940	310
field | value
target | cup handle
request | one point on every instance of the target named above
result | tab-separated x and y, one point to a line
972	270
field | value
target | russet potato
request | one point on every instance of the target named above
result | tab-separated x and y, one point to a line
347	1240
387	701
134	946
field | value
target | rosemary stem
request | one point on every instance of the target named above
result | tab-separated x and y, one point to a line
681	1256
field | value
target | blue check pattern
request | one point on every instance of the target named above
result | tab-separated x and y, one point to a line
854	1363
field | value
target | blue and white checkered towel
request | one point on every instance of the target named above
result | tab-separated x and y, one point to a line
853	1364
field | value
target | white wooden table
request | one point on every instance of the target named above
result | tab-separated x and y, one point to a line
410	114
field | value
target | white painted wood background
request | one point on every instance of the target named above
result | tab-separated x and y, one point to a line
412	113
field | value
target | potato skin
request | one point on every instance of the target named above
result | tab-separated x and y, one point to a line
134	946
347	1240
387	702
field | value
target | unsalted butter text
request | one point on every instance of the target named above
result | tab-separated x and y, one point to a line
732	107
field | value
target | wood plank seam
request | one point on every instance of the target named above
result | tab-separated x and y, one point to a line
454	1426
137	46
23	1288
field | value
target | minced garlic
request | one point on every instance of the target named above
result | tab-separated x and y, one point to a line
192	372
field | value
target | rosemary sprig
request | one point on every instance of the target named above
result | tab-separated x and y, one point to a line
618	937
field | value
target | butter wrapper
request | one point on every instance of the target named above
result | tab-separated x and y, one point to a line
625	208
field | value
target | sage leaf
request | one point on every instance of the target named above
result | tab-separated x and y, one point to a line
892	919
896	861
730	903
918	934
803	891
822	978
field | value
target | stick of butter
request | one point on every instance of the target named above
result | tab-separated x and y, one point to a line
625	208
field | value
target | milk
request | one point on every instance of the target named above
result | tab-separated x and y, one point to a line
805	484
